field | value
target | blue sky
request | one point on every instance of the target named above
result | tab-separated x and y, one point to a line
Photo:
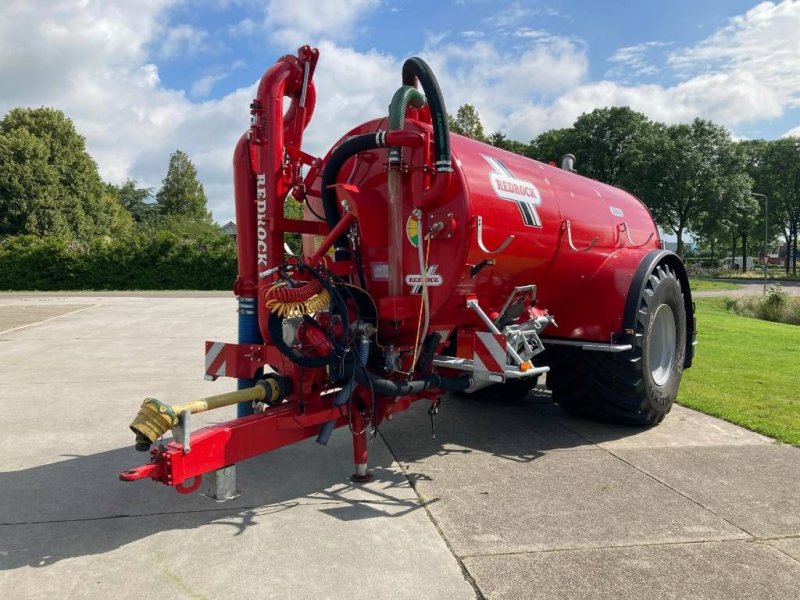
141	79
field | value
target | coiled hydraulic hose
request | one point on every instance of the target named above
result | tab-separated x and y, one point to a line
286	302
417	69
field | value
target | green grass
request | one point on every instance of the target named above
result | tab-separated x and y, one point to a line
707	285
745	371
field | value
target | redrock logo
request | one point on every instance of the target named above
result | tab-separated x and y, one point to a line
508	187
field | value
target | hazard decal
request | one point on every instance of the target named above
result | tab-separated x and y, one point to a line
508	187
489	353
216	359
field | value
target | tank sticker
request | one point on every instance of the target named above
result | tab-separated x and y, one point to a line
520	191
380	271
412	231
617	212
433	279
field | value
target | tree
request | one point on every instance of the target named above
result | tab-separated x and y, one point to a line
681	170
49	185
606	143
779	180
467	122
181	193
499	140
742	217
552	145
134	200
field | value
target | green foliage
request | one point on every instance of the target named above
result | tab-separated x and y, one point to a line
49	185
135	200
607	143
499	140
552	145
178	253
181	193
467	122
775	168
292	209
683	170
777	306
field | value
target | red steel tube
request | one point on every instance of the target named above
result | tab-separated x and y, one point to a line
326	244
244	190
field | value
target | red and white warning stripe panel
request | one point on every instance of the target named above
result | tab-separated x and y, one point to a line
216	360
489	352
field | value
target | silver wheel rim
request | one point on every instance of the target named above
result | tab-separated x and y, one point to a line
661	347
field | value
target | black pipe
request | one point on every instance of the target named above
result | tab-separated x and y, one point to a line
348	148
417	69
389	387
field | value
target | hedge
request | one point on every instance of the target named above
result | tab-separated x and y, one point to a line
142	260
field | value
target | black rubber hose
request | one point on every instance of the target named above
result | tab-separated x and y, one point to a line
417	69
389	387
356	144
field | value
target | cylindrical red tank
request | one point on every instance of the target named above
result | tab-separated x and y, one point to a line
577	239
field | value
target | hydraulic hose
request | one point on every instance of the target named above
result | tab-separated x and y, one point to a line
417	69
356	144
389	387
344	394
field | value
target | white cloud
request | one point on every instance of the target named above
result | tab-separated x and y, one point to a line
182	39
633	61
203	86
295	22
91	60
246	26
504	86
763	45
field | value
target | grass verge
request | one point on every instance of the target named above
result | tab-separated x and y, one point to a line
745	371
708	285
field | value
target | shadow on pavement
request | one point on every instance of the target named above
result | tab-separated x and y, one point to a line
81	495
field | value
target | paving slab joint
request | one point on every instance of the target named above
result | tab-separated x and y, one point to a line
657	480
424	504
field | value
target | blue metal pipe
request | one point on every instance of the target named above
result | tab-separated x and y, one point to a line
248	334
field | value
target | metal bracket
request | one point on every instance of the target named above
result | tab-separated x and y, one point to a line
513	296
482	246
221	484
568	226
182	432
624	227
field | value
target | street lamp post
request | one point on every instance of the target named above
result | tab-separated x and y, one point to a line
766	235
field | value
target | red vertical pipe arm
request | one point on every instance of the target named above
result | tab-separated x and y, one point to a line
244	191
289	77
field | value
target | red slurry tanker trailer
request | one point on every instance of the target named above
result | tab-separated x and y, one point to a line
431	263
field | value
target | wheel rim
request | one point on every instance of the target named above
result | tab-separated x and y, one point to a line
662	344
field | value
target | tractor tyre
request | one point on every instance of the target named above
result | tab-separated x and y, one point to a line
636	387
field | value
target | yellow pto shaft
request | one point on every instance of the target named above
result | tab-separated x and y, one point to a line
155	418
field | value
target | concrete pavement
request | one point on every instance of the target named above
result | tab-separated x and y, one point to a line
511	500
